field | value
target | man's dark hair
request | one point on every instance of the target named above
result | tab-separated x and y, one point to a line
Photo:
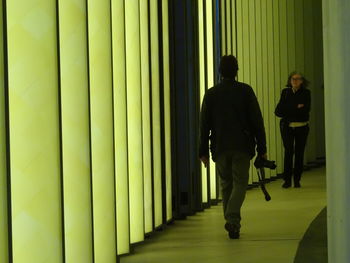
228	67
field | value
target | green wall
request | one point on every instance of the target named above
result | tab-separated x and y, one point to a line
273	39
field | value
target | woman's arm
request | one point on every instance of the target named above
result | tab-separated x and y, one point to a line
304	108
280	110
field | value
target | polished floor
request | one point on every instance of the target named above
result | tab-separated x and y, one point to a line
271	231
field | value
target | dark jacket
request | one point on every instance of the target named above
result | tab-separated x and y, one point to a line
287	107
232	120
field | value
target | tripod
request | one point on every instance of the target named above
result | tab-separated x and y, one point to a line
261	175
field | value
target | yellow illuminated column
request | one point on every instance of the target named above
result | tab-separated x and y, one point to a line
204	171
260	49
167	111
120	130
299	34
259	66
223	23
277	83
75	131
146	117
240	42
283	41
291	35
253	65
34	131
3	169
271	134
265	77
102	143
283	59
228	27
245	62
134	115
210	78
234	24
252	45
157	165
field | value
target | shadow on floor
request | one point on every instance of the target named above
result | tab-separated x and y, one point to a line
313	246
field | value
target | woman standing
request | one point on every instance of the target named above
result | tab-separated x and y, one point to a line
294	108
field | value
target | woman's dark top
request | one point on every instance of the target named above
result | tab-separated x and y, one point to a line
287	107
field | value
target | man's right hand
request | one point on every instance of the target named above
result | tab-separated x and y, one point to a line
264	156
205	161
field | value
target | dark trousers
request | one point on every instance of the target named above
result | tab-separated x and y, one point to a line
233	169
294	142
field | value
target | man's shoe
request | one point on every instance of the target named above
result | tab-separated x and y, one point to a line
232	232
297	185
286	185
233	235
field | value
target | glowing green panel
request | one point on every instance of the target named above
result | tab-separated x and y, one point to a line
283	41
75	131
245	60
101	112
146	117
234	31
265	80
167	110
253	65
210	78
210	42
240	43
34	131
271	135
244	53
204	171
259	66
252	44
3	168
299	33
291	34
277	83
120	124
223	24
283	66
157	165
134	114
228	27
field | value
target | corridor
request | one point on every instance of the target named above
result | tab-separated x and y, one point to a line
271	231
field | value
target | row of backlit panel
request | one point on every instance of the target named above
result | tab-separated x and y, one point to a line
206	79
85	127
3	181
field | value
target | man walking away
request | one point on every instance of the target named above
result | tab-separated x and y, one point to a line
232	121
